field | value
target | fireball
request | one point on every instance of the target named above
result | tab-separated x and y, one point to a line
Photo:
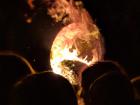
78	44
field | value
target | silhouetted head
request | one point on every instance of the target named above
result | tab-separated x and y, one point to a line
44	89
12	69
111	88
97	70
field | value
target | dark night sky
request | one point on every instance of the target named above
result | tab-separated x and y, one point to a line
118	20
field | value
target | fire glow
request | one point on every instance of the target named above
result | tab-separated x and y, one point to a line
78	44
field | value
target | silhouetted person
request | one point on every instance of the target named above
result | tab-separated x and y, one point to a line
44	89
12	69
96	71
93	72
111	89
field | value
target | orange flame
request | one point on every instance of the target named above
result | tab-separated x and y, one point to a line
78	41
30	3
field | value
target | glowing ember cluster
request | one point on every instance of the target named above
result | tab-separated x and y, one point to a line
78	44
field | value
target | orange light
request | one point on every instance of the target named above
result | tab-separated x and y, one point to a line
78	41
30	3
29	20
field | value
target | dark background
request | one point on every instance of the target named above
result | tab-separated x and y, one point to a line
118	21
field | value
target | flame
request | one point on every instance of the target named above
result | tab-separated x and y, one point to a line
30	3
78	41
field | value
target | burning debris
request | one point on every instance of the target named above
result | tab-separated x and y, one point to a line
78	41
78	44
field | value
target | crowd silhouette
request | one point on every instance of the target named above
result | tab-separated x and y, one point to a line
104	83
